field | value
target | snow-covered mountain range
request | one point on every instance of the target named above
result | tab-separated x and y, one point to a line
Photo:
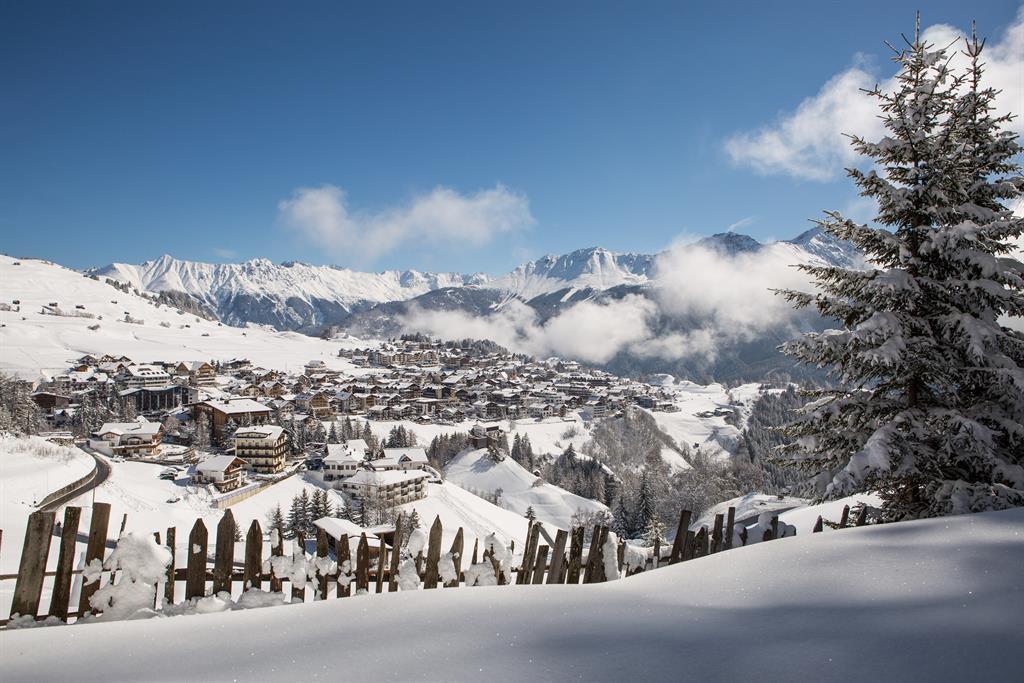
307	298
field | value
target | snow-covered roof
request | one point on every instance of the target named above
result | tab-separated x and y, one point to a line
339	453
336	527
217	463
236	406
397	455
272	432
142	428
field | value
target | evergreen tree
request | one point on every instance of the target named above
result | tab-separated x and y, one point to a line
306	505
296	518
646	505
201	440
531	514
275	519
930	404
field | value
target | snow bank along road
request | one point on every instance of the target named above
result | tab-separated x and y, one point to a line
935	600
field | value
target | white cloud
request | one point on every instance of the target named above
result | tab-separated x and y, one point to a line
729	297
809	143
741	223
440	217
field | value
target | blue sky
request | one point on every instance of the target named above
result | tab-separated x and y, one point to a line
307	131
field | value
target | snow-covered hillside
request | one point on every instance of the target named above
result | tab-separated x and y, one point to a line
520	490
37	344
932	600
287	295
593	268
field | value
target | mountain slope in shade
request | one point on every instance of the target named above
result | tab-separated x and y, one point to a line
290	295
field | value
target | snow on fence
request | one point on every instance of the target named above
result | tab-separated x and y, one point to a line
141	574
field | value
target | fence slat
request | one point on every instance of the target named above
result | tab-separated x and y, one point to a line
679	544
538	567
575	555
456	553
396	552
818	525
195	578
557	556
594	557
345	574
716	535
862	516
253	558
277	550
94	548
475	542
844	520
730	524
381	558
299	546
33	563
65	564
433	554
169	585
530	554
321	552
225	550
700	543
363	565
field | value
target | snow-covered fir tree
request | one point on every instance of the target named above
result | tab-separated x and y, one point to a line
929	403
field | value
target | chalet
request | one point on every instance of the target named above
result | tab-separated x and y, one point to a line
159	398
199	373
341	462
223	471
145	376
337	528
482	437
129	438
394	487
50	402
401	459
317	404
263	447
541	410
240	410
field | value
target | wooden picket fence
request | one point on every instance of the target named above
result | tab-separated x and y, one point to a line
563	563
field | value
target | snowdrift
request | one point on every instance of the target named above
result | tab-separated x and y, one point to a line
930	600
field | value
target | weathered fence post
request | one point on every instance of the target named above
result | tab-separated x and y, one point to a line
594	572
679	543
818	525
575	555
521	571
298	546
225	549
382	557
657	553
456	553
321	555
529	554
171	575
775	526
65	564
276	550
252	574
475	542
94	550
862	516
538	568
844	520
700	541
557	556
363	565
396	551
716	535
195	574
344	567
433	554
32	566
730	525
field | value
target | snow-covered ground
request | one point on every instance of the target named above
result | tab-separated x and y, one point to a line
460	508
935	600
31	468
35	344
701	418
475	471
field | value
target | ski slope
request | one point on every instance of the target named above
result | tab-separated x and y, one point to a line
931	600
475	471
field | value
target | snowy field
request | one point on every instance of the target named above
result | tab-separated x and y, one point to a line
45	344
935	600
475	471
